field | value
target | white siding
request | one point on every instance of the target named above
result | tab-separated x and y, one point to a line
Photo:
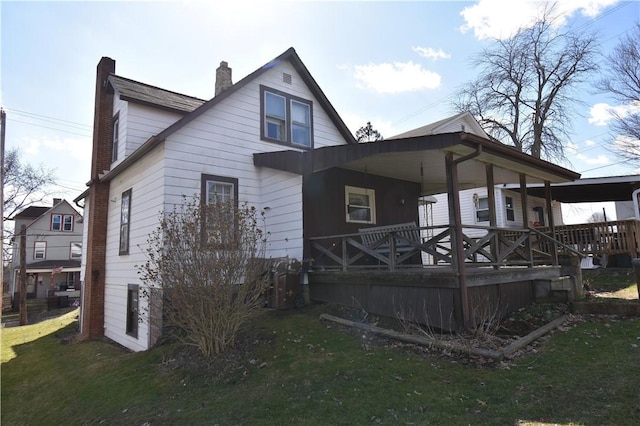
58	242
137	124
468	209
219	142
146	183
222	142
625	210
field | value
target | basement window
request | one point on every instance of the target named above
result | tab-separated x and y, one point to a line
132	310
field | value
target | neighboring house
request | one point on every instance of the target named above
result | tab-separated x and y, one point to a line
53	250
474	202
474	206
272	140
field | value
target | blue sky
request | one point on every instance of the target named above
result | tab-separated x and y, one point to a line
395	64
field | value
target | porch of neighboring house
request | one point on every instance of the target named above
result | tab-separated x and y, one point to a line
609	243
366	250
59	285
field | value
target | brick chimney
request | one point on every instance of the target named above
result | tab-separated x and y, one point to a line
56	201
92	324
223	78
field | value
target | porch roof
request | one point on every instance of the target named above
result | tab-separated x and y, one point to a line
608	188
421	159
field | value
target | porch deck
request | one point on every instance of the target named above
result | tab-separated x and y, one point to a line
601	238
423	283
431	295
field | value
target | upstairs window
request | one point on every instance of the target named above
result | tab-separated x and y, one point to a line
482	210
40	250
125	218
360	205
286	119
115	136
62	222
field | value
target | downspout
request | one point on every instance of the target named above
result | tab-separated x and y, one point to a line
458	237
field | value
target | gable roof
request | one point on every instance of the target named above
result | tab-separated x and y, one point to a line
289	55
440	127
32	212
134	91
36	212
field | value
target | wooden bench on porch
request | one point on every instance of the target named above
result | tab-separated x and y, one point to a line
377	238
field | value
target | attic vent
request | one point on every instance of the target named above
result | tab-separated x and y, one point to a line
463	128
286	78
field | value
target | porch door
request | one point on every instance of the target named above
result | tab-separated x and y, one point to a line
32	288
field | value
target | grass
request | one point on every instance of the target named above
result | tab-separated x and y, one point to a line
611	283
298	370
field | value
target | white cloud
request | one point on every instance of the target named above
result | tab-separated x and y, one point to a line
396	77
599	160
501	19
590	143
30	146
431	53
602	113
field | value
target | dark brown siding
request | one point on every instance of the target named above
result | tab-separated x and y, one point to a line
324	203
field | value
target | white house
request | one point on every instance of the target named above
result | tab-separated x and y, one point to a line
273	141
474	202
53	250
152	146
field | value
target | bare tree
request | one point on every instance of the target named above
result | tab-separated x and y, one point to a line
368	134
622	81
526	87
24	185
596	217
208	262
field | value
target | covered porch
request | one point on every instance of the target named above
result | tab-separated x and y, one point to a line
443	276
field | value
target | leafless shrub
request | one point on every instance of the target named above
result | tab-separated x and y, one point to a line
208	261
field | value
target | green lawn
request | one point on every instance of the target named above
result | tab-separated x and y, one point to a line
299	370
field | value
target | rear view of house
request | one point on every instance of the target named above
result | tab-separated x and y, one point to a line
274	141
153	146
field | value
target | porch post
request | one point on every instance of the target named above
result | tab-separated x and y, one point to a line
493	222
457	245
524	202
552	225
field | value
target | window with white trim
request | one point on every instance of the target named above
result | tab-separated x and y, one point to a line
218	189
75	251
360	204
511	214
286	119
125	219
482	210
40	250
